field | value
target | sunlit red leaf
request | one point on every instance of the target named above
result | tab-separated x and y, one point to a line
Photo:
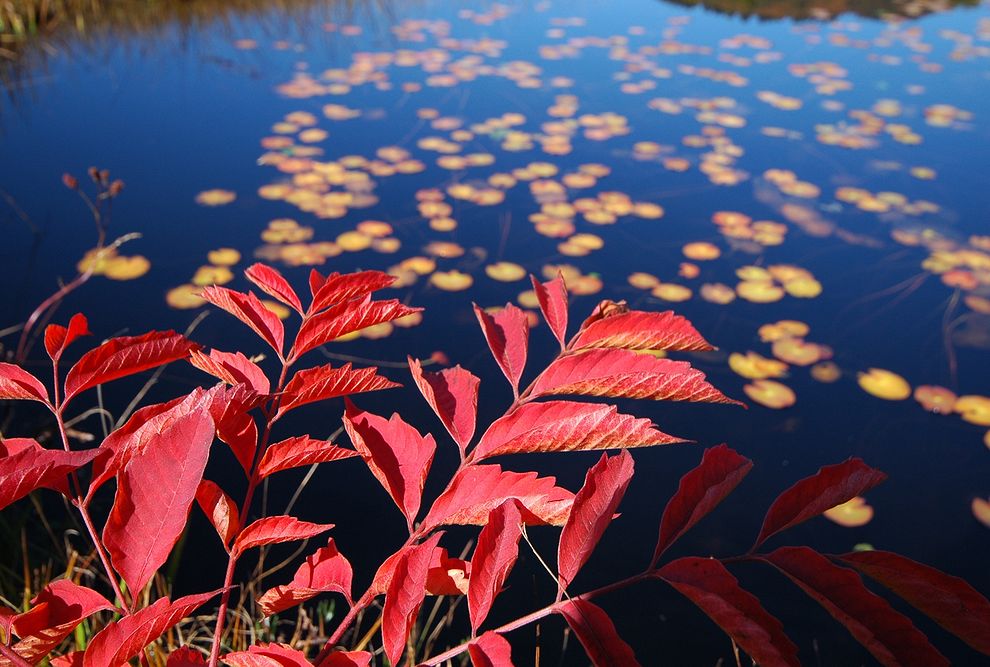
185	656
232	368
32	467
123	356
300	451
59	338
274	530
249	310
19	385
830	486
397	455
326	382
947	600
552	297
325	570
337	288
220	509
121	640
594	506
563	426
887	634
597	634
267	655
235	425
162	465
346	318
626	374
272	283
404	596
347	659
641	330
507	334
478	489
54	613
706	583
490	650
494	556
699	492
453	395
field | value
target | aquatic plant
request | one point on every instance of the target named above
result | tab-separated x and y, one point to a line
158	457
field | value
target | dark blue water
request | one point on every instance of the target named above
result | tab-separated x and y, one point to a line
183	110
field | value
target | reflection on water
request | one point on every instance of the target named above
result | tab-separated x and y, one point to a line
811	194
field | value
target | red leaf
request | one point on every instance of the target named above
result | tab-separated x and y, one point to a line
706	583
123	356
185	656
397	455
447	576
453	395
947	600
249	310
494	556
17	384
161	467
404	596
235	426
564	426
33	467
75	659
552	296
121	640
700	491
597	634
887	634
478	489
274	530
326	382
272	283
830	486
507	333
220	509
346	318
490	650
232	368
300	451
324	570
347	659
594	506
54	613
626	374
337	288
268	655
641	330
58	338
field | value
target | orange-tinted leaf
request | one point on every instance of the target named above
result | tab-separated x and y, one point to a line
121	640
507	333
345	318
641	330
249	310
123	356
337	288
830	486
453	395
494	556
397	455
267	655
447	576
232	368
274	530
55	611
58	338
326	382
163	464
597	634
220	509
552	296
348	659
272	283
699	492
594	506
887	634
563	426
33	467
706	583
404	596
325	570
19	385
626	374
947	600
490	650
478	489
300	451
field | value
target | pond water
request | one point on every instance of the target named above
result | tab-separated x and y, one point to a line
741	165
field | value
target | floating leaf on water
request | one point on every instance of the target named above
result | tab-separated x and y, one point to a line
223	257
981	510
885	384
215	197
753	366
974	409
935	399
826	371
770	394
451	281
505	272
851	514
185	297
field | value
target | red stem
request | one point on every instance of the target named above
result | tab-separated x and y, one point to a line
13	656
